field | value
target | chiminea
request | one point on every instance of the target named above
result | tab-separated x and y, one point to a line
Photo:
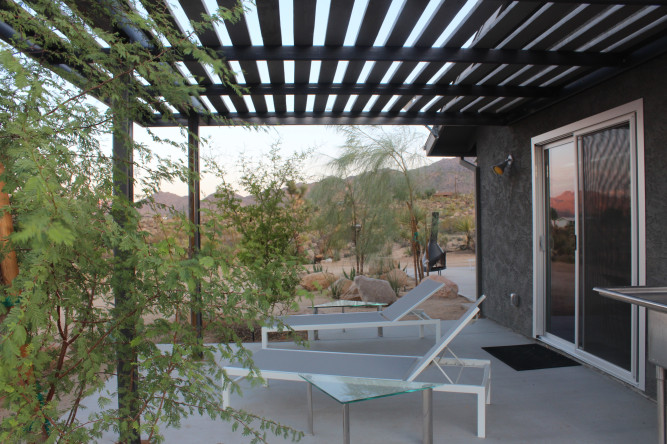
437	259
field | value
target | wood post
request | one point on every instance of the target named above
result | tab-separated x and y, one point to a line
9	265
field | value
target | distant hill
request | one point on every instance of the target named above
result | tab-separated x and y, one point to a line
445	175
563	204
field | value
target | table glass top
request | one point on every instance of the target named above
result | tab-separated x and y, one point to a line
347	389
344	303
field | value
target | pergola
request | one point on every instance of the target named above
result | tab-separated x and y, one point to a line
449	64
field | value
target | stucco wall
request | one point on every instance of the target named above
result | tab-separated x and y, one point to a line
506	216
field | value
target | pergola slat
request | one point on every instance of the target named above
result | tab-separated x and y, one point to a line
406	20
503	59
376	11
344	118
268	12
304	28
385	90
238	33
339	20
445	14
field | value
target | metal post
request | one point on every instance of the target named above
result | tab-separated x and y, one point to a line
346	423
194	197
309	395
126	355
660	376
427	416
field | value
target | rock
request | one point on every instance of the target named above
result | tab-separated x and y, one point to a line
343	284
375	290
317	281
449	291
317	258
352	294
396	275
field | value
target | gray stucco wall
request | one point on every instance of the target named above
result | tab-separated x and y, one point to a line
506	215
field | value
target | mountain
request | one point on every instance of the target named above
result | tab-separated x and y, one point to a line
445	175
563	204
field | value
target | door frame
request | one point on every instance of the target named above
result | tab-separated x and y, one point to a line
633	114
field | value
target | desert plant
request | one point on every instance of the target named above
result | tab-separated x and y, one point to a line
395	283
94	293
352	274
336	289
317	268
466	225
375	150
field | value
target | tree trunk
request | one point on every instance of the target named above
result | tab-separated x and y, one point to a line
9	265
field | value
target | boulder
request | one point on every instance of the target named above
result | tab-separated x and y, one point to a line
375	290
449	291
317	281
396	275
352	292
343	284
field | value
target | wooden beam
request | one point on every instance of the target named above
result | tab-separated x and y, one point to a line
9	265
383	89
411	54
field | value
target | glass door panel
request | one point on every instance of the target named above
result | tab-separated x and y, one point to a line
561	220
605	206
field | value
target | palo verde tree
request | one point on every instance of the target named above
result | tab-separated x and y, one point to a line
352	209
268	221
78	241
374	149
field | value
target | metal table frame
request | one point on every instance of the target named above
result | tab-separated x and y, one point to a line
427	409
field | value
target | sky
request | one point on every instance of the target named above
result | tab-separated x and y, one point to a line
228	144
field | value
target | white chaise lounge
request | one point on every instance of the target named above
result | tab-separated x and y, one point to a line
288	365
389	317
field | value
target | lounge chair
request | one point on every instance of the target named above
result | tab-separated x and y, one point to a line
288	365
389	317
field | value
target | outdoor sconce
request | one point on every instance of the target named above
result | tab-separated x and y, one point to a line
504	166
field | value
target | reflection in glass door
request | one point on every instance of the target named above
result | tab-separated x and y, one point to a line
588	209
560	168
606	253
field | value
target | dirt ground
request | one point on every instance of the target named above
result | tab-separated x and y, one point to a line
435	307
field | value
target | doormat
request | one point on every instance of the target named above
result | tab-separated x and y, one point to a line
530	357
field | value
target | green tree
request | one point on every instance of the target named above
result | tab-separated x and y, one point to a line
269	223
78	241
373	149
354	210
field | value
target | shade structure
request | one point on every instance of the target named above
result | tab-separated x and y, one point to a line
440	63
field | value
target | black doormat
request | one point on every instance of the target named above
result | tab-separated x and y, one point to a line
529	357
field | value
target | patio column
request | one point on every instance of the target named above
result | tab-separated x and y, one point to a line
9	267
123	274
193	208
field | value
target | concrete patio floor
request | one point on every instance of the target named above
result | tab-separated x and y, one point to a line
561	405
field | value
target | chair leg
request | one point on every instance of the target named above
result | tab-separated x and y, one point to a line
309	396
481	415
438	331
226	398
421	331
265	338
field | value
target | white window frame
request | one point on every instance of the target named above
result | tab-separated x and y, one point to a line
631	113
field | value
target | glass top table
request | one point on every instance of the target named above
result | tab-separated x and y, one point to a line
343	304
348	389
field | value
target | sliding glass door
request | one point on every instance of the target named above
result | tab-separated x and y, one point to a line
587	234
561	183
605	325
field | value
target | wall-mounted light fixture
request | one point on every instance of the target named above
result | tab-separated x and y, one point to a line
504	166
